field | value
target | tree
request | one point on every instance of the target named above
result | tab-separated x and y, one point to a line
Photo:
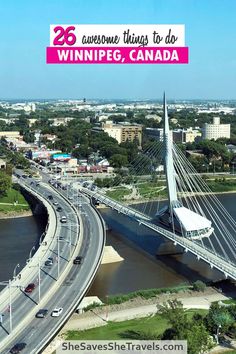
184	329
132	149
218	316
199	286
5	183
173	311
198	339
118	160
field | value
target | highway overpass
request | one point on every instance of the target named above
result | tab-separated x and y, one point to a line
61	285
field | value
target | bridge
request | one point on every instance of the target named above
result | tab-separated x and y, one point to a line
61	285
193	217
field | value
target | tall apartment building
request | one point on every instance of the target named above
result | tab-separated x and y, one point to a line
123	132
216	130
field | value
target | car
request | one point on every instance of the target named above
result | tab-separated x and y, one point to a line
70	198
50	197
57	312
61	238
49	262
78	260
18	348
59	208
55	203
41	313
30	287
63	219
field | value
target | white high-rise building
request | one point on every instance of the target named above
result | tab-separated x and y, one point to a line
216	130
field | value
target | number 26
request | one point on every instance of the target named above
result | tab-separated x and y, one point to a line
64	36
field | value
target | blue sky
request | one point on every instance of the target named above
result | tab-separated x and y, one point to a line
210	34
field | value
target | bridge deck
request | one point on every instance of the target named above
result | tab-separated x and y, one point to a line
214	260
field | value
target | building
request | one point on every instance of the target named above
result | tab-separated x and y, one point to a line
155	133
32	121
231	148
216	130
186	135
61	121
123	132
11	135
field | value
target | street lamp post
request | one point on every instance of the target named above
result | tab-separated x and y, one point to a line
10	309
39	280
30	254
14	272
218	333
41	238
70	238
58	258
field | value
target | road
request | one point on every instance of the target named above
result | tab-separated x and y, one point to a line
57	291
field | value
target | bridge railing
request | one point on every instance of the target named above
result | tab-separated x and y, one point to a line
214	260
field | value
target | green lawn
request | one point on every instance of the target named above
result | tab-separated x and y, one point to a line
118	193
117	330
12	196
222	186
147	190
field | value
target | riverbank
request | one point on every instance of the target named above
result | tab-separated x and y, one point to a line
95	323
14	214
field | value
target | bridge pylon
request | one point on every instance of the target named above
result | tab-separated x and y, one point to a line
175	216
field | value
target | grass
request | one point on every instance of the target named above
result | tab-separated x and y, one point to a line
146	189
153	190
227	352
118	193
229	301
11	196
155	325
146	294
225	185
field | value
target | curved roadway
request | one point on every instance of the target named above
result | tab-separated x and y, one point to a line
72	284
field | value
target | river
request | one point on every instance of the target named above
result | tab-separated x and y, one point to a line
141	268
17	237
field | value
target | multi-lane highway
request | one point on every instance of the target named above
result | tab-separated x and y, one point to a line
63	284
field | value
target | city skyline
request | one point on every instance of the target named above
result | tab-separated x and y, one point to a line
209	32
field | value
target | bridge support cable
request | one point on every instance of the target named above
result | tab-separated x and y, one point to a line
190	198
213	215
183	185
206	189
215	205
223	237
142	165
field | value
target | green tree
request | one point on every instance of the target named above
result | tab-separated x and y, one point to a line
182	328
5	183
199	285
218	316
118	160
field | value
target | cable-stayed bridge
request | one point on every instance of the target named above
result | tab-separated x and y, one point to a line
192	217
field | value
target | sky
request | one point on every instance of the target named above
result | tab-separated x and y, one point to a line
210	34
